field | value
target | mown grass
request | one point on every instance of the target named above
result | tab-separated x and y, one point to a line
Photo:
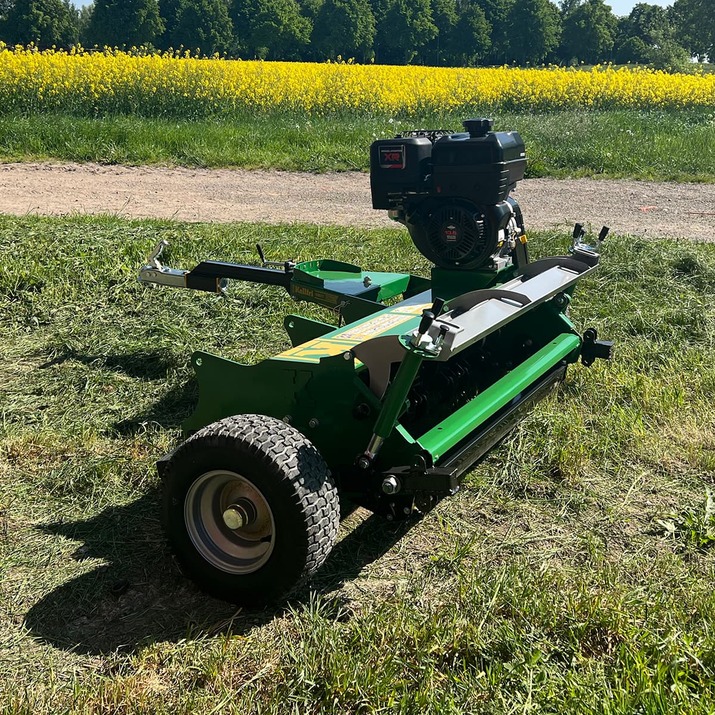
642	145
572	574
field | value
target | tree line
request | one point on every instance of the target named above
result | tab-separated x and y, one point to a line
432	32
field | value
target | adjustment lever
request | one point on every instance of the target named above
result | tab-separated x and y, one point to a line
425	324
437	307
286	265
428	317
582	250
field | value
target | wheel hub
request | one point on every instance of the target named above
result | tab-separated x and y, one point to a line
242	513
229	522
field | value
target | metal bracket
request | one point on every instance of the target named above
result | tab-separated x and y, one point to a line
593	349
155	273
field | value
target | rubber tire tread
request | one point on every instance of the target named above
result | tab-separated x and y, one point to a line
295	480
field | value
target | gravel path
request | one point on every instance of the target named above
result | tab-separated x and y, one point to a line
632	207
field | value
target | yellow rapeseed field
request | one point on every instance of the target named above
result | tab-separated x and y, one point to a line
113	82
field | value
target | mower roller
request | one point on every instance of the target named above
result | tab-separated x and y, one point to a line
391	408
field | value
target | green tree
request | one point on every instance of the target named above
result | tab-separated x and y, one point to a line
405	29
44	22
534	30
83	17
271	29
630	49
497	13
589	33
445	16
346	28
125	23
568	6
169	12
204	25
469	41
694	21
648	35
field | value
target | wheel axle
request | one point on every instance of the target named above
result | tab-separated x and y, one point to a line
242	513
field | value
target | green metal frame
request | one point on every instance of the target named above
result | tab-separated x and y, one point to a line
324	396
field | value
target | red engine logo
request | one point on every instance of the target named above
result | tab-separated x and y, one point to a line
451	233
392	157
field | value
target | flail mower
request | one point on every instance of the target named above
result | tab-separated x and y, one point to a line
391	408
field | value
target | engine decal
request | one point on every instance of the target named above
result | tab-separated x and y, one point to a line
392	157
318	296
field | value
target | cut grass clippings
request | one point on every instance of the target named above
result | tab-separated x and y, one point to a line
564	577
641	145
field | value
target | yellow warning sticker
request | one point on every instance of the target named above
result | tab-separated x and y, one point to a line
413	309
373	328
314	350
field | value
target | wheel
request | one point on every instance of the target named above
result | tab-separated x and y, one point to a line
250	508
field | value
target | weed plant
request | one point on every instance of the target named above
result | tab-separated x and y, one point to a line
551	582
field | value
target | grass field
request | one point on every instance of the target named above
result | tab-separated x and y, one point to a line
643	145
573	573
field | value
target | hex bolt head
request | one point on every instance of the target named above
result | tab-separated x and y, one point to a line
313	422
390	485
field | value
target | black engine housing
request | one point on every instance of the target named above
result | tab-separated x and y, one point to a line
451	190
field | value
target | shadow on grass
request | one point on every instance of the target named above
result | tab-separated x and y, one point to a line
140	596
169	411
142	364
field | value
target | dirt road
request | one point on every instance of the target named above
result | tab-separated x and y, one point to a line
633	207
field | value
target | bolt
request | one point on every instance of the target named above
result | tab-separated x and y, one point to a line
233	518
407	511
562	300
362	410
364	463
313	423
390	485
367	281
347	355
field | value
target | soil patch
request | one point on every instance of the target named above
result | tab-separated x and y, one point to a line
651	209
